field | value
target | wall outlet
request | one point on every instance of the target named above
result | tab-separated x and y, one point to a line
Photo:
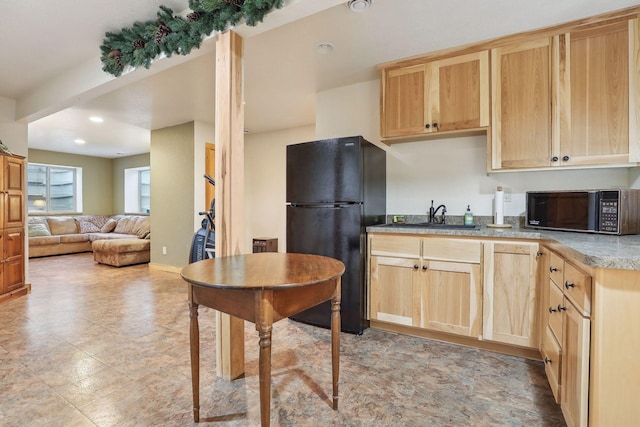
164	250
507	196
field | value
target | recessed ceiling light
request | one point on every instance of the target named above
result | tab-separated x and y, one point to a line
96	119
79	141
358	5
325	47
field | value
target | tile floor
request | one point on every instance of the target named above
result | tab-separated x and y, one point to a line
94	345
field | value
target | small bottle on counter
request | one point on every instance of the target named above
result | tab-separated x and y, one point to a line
468	216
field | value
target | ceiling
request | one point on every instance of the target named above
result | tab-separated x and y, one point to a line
282	70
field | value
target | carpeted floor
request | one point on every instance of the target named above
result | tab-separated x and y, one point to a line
94	345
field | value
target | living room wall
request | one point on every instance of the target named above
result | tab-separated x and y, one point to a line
97	178
119	166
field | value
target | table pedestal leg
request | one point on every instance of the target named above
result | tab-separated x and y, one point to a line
264	332
194	338
335	343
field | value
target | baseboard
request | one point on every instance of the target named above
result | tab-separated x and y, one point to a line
162	267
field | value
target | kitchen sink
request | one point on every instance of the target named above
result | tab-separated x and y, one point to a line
432	225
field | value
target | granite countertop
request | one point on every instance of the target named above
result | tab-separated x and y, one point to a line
596	250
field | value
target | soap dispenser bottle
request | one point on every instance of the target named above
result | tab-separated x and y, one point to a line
468	216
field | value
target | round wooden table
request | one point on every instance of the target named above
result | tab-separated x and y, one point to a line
263	288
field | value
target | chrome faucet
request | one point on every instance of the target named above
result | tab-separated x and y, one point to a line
433	212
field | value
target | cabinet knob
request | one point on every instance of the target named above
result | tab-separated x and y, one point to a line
416	266
568	285
547	360
427	126
562	308
554	159
539	253
424	268
553	269
565	158
552	310
435	125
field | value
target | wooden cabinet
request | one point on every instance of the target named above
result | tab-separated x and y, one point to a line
393	273
12	232
509	310
449	94
430	283
568	100
594	84
450	286
521	105
566	336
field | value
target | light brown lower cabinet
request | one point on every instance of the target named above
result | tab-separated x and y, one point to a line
509	297
574	394
451	297
566	341
394	263
429	283
393	289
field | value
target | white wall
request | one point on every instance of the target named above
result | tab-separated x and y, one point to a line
449	170
349	110
12	134
265	182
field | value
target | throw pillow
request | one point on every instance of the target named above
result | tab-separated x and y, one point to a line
88	227
108	226
36	230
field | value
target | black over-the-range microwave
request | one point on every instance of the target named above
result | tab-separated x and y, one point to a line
591	211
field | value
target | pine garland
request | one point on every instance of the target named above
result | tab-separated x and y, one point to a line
138	45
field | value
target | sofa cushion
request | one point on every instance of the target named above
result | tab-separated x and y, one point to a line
108	226
88	227
44	240
110	236
36	230
62	225
133	224
74	238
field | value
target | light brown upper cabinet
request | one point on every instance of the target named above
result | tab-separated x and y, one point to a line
594	83
521	95
570	100
449	94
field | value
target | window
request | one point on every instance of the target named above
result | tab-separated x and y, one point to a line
144	194
53	188
137	190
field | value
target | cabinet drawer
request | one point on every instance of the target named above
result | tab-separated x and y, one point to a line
556	268
551	354
577	286
456	250
397	246
555	315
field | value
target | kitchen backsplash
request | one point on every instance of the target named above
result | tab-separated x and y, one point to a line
517	221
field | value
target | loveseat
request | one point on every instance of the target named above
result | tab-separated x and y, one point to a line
57	235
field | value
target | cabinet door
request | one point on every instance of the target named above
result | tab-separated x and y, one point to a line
403	101
521	115
13	265
575	366
594	95
463	93
451	297
509	305
552	357
392	290
13	192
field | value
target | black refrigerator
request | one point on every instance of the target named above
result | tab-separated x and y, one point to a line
335	189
